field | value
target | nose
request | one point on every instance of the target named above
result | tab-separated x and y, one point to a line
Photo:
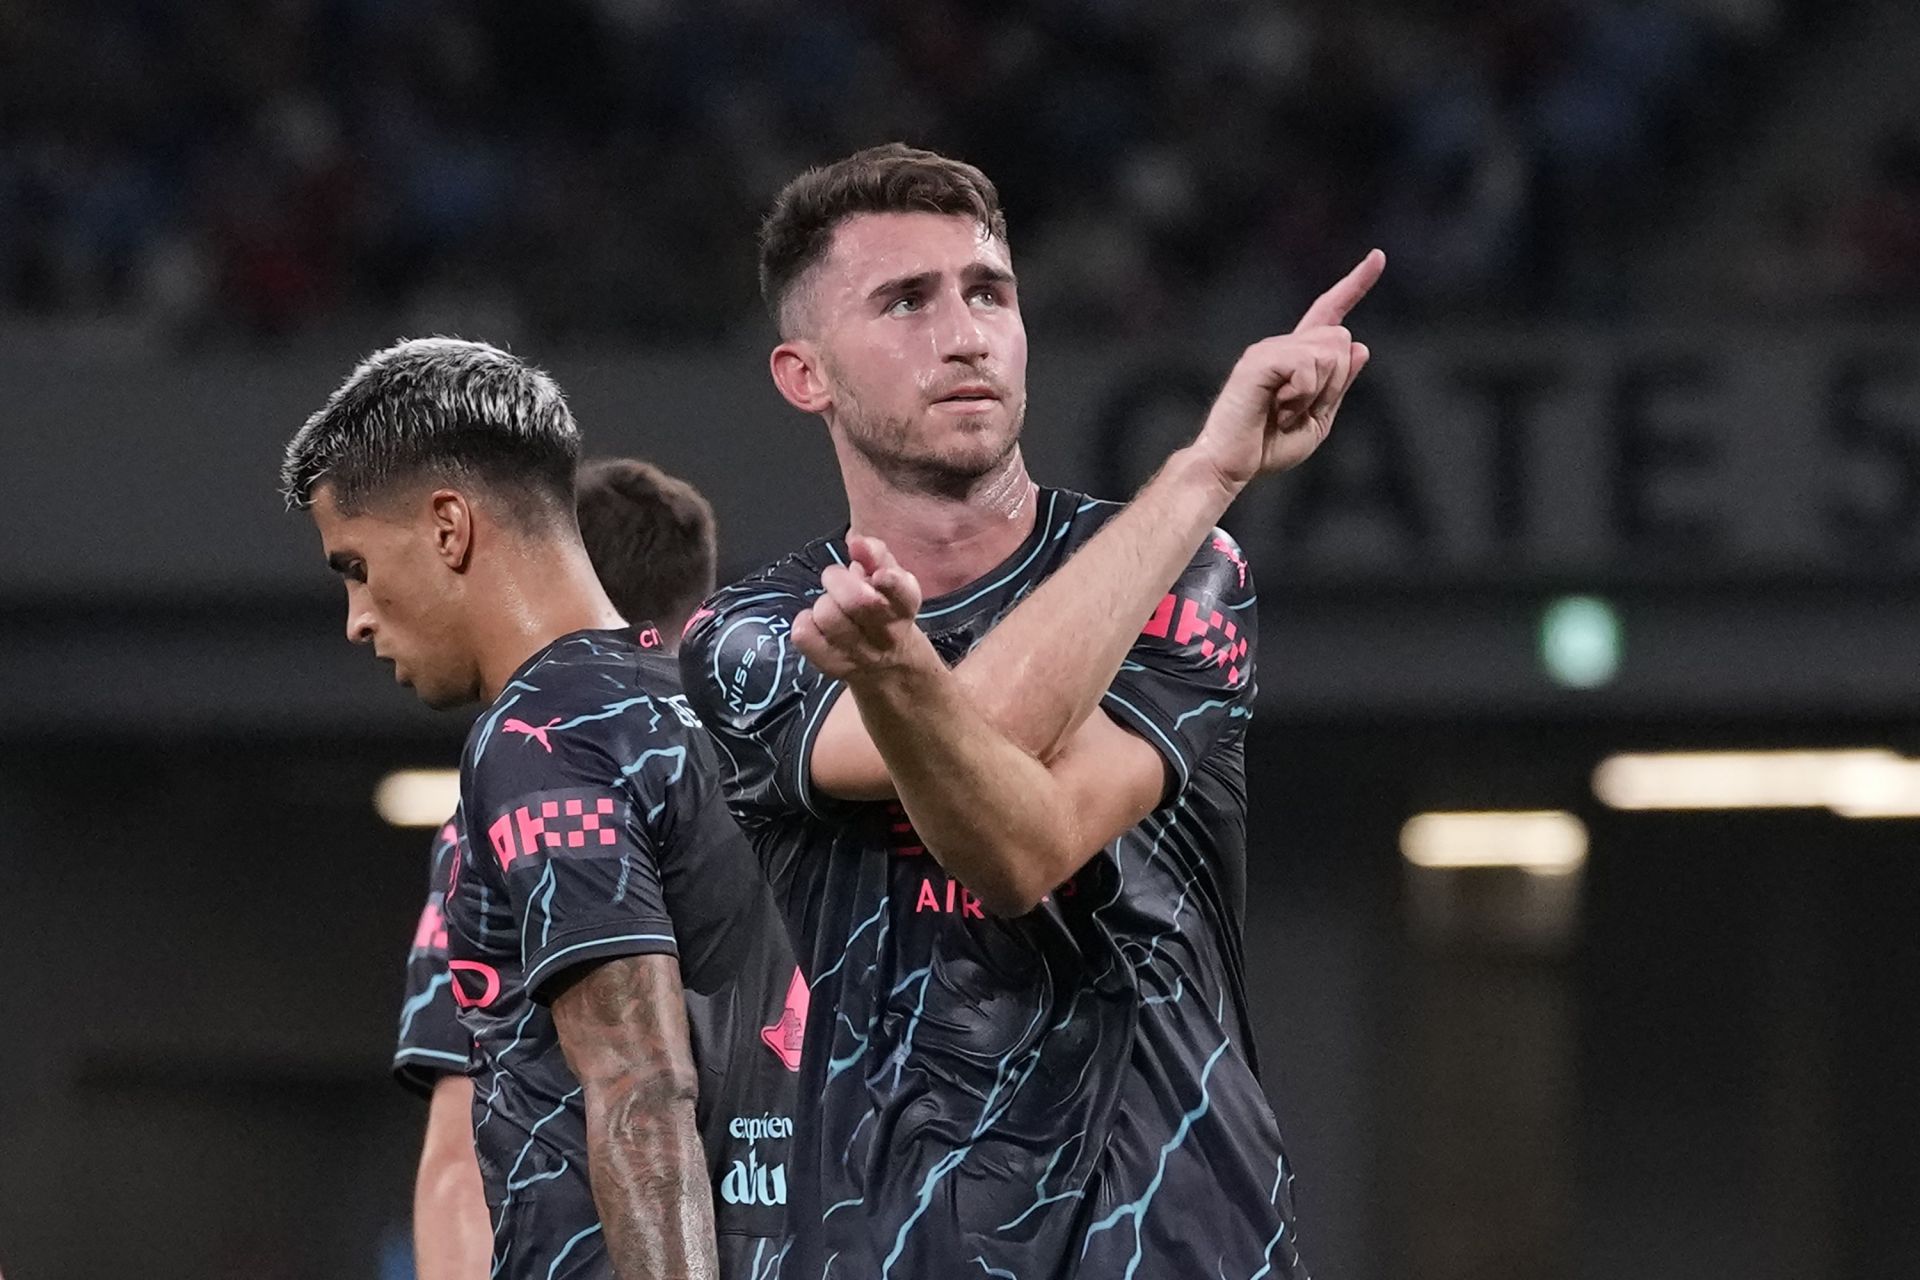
359	624
961	337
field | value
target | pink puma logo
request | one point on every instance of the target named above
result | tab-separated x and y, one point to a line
1232	553
784	1037
699	616
537	732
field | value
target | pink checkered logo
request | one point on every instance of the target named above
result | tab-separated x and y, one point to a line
1220	640
546	826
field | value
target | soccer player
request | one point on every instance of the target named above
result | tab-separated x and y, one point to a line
617	962
650	537
1013	860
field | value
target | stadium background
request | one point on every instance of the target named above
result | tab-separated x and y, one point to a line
1647	337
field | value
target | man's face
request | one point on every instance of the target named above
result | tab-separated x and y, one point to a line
917	325
403	597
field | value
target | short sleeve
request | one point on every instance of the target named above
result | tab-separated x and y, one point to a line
762	703
1188	683
431	1041
566	828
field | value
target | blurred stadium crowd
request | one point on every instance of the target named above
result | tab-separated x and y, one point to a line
258	168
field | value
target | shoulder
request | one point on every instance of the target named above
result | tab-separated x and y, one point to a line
1217	571
446	844
793	576
1210	608
577	717
736	642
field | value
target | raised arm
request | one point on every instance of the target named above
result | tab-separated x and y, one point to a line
623	1027
452	1238
1276	408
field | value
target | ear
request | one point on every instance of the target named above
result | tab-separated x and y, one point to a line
798	373
452	517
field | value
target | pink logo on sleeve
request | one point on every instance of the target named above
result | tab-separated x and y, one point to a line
1229	650
574	823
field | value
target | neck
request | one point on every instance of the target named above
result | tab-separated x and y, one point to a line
546	592
944	541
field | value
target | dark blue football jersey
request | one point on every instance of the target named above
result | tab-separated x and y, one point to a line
1072	1093
431	1043
595	830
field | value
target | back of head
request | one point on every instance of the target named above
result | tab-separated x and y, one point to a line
443	411
895	178
651	539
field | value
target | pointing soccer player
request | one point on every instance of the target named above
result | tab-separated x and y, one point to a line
650	537
615	957
1013	855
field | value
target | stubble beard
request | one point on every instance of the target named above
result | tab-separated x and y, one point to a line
886	443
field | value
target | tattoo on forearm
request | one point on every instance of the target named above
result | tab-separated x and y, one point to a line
623	1028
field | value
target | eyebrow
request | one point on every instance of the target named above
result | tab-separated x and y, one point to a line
972	273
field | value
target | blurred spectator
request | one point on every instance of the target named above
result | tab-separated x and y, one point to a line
250	168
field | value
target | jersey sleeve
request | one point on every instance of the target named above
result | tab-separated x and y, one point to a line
762	703
431	1041
556	816
1188	683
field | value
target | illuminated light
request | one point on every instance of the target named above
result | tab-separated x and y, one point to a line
1855	783
1580	641
1541	841
417	797
1881	788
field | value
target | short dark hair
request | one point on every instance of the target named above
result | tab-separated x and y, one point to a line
440	408
650	537
895	178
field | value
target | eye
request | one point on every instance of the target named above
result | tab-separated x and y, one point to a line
357	572
904	306
985	294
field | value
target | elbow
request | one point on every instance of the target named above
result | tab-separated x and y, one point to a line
1009	900
640	1098
1021	879
445	1177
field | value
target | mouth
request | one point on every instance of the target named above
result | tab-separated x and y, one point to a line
972	396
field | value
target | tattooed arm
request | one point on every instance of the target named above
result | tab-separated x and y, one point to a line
623	1028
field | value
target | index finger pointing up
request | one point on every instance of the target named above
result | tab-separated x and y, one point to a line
1332	306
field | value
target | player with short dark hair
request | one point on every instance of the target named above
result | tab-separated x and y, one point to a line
650	537
1013	860
615	957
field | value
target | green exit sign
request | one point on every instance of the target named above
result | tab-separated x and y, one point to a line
1580	641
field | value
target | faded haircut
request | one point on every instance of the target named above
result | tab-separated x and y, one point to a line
440	409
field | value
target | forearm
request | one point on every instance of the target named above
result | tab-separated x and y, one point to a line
452	1236
650	1182
989	812
1037	690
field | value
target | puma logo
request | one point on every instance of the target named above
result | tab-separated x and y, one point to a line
537	732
